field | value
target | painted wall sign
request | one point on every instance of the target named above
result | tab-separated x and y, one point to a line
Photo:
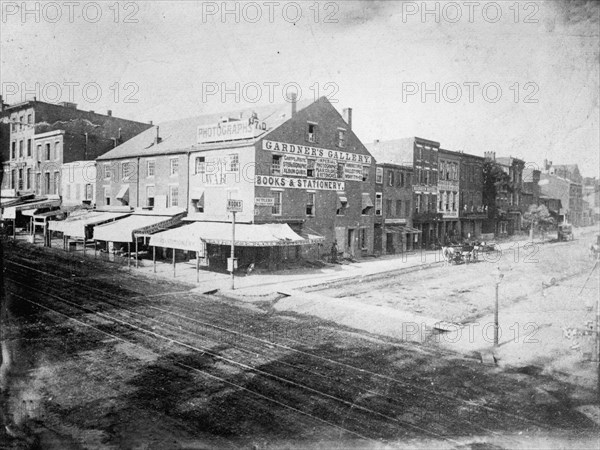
298	183
326	168
294	165
264	201
353	172
274	146
228	131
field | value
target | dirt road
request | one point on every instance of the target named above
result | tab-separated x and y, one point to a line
94	357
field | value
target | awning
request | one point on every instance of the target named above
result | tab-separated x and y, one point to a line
11	211
312	236
190	237
197	194
123	192
74	225
366	201
124	229
401	229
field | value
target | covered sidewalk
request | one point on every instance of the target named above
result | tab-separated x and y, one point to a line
196	235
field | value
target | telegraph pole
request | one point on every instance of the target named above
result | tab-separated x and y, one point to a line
233	206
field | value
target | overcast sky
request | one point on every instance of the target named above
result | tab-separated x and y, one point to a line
165	60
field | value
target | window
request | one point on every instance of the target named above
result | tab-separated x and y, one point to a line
391	178
21	121
365	173
233	162
39	152
418	204
378	203
14	126
56	150
28	178
379	175
150	166
107	195
55	187
388	208
310	204
106	170
77	191
20	179
38	183
125	170
276	208
173	196
340	171
13	178
399	208
20	149
29	147
407	208
200	166
407	179
441	202
29	119
47	156
88	192
13	153
174	166
150	196
311	135
310	167
401	179
341	138
276	165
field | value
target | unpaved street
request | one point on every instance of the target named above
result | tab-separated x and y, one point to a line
97	360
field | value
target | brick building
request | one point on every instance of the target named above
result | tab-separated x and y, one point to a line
393	209
298	166
43	136
422	155
449	201
472	210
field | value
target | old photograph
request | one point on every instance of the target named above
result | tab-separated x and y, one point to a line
311	224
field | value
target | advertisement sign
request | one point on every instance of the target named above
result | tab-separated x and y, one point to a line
326	168
294	165
234	205
228	131
306	150
264	201
353	172
299	183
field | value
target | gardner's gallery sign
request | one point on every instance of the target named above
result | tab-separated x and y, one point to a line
306	150
298	183
228	131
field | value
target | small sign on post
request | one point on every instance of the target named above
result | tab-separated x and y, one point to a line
235	205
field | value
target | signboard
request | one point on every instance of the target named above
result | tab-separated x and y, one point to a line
160	226
299	183
264	201
353	172
305	150
228	131
326	168
234	205
294	165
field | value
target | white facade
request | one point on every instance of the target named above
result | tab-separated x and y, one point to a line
78	183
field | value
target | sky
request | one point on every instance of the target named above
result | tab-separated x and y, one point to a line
517	78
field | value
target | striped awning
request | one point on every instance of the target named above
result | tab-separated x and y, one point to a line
75	225
138	224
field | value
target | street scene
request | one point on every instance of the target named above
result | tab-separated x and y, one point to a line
385	234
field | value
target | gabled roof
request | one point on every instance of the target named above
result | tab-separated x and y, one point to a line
180	136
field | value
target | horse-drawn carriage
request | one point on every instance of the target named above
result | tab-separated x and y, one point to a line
467	252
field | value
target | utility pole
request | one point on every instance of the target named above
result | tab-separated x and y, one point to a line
499	275
232	249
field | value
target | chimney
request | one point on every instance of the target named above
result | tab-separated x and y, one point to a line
150	123
348	116
376	141
109	112
293	100
92	111
157	139
119	135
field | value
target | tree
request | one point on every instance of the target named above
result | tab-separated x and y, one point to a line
539	217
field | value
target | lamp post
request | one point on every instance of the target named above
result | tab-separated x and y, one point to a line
498	275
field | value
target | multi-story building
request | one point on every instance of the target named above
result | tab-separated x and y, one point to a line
566	183
297	164
44	136
449	201
78	184
393	208
472	210
508	202
422	155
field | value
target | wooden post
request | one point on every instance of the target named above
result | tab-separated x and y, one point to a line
232	250
14	228
197	266
173	263
95	249
136	252
129	254
154	258
84	244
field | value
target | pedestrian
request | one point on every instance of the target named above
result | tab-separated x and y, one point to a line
334	251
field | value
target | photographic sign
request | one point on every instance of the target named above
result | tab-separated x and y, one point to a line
353	172
234	205
326	168
228	131
294	165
